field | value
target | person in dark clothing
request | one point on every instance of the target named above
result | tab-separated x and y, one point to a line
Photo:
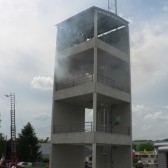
86	164
139	164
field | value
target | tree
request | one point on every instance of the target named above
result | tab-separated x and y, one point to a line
2	144
146	146
44	140
134	146
28	146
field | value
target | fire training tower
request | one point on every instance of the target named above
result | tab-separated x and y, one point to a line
92	71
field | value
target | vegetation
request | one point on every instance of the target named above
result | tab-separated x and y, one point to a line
134	146
2	144
28	145
146	146
44	140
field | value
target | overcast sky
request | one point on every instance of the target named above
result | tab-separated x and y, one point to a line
27	51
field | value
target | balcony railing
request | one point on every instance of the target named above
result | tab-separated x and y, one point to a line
72	83
114	129
89	78
87	127
69	128
112	83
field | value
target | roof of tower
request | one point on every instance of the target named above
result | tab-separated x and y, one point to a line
83	22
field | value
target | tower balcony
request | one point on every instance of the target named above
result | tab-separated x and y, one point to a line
74	82
88	127
89	78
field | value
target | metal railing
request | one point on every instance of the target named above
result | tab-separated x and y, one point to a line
70	128
89	78
87	127
112	83
72	83
114	129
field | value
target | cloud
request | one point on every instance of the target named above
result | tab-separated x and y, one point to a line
130	20
149	54
147	127
42	83
157	116
148	122
165	8
42	116
166	107
139	110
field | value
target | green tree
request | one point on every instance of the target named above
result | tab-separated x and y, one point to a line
44	140
28	146
2	144
134	146
146	146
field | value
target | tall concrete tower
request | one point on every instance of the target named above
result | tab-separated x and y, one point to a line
92	72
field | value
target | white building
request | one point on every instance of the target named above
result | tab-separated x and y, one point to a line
162	154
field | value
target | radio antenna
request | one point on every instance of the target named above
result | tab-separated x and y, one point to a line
112	6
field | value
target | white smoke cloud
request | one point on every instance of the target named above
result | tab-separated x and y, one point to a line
42	83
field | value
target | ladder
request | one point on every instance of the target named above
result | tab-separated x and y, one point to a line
13	129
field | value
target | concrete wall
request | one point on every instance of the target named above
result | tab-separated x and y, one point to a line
124	112
121	156
109	156
104	157
113	68
67	156
65	114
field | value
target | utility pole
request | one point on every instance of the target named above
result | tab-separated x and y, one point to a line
13	156
112	6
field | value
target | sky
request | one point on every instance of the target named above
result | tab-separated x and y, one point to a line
27	53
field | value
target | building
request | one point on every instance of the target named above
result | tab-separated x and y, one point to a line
162	148
45	149
148	158
92	72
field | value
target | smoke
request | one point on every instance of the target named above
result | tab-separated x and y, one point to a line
72	32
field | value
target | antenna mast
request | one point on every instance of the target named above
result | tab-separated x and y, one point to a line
112	6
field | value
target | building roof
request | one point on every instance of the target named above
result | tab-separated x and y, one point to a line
83	22
161	144
163	149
